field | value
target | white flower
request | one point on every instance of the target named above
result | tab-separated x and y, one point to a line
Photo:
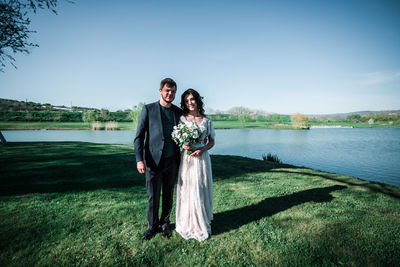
186	134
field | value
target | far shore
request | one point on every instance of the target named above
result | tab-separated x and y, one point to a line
14	125
330	126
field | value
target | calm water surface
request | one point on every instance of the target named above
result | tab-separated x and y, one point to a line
370	154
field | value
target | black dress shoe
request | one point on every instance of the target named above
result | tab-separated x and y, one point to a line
150	233
167	231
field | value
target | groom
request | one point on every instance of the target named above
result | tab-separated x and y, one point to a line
158	156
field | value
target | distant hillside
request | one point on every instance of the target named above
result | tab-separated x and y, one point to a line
244	110
15	105
361	113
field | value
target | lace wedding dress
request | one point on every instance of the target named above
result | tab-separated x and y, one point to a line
194	197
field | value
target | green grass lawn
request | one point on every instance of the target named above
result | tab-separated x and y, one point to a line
72	203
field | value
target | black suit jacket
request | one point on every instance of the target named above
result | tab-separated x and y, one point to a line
149	140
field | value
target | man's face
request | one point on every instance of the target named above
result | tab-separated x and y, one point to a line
168	93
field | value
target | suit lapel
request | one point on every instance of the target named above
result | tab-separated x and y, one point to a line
157	116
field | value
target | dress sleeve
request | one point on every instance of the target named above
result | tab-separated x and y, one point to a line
211	130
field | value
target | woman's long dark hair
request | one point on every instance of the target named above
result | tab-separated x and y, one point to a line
197	98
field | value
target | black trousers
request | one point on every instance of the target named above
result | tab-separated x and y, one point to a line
162	178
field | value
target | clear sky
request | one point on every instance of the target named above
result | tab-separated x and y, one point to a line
284	56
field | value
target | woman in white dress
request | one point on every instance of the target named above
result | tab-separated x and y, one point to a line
194	198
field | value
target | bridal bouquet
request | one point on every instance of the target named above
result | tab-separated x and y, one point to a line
187	135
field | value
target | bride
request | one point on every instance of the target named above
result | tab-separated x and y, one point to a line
194	198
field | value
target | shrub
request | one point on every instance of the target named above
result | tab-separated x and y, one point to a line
111	125
271	158
97	125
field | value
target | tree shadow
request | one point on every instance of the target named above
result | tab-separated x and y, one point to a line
55	167
222	169
61	167
234	219
377	187
226	167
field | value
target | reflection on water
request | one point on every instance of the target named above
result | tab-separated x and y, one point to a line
370	154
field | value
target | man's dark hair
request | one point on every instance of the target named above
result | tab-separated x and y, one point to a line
197	98
169	82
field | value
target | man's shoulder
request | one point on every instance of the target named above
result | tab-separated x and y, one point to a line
157	105
152	105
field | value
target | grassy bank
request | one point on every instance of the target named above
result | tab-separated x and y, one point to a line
16	125
268	125
85	204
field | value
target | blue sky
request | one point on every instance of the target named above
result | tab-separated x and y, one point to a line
311	57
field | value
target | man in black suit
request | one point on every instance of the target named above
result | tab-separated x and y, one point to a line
158	156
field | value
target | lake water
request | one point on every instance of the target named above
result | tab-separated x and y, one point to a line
369	154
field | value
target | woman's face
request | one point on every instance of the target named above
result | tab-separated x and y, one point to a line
190	102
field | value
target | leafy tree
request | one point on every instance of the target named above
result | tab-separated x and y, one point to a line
354	117
275	118
88	117
284	119
261	118
14	26
371	121
105	114
299	120
135	113
57	116
243	118
366	118
28	116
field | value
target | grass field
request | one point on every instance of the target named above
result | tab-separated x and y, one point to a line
73	203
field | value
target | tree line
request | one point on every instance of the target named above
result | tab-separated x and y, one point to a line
102	115
377	117
133	114
61	116
12	110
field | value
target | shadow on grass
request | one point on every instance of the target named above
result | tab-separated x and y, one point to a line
234	219
226	167
46	167
43	167
223	169
372	186
66	166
